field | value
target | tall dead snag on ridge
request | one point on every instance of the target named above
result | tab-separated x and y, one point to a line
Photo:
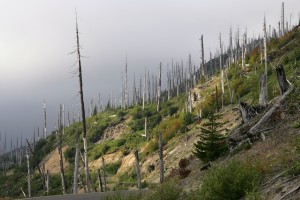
59	147
203	70
159	88
45	120
263	96
125	87
282	19
86	160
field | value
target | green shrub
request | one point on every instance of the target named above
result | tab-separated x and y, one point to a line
112	168
167	191
70	154
233	181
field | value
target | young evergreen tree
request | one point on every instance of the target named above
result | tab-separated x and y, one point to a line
212	143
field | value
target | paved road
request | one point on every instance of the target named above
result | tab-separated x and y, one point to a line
89	196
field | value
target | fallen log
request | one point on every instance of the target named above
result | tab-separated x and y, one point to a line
290	192
256	127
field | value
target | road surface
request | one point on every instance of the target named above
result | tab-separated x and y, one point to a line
89	196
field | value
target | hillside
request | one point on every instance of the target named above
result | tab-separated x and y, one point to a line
114	134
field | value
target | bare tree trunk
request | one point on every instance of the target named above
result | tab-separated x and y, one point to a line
217	99
159	88
145	87
100	181
104	174
203	71
86	160
281	78
28	176
47	182
161	157
75	183
222	85
137	167
59	147
263	90
45	120
125	87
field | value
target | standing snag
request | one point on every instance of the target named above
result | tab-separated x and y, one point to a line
86	160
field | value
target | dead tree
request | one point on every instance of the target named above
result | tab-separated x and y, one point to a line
75	183
104	174
125	86
100	181
47	182
282	19
161	157
281	78
203	71
137	167
263	96
159	88
86	160
28	175
45	120
144	89
59	148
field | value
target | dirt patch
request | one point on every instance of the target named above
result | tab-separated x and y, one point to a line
114	132
52	161
110	158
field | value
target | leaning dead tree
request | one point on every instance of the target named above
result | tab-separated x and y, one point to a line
86	160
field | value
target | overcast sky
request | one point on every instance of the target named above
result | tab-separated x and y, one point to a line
37	35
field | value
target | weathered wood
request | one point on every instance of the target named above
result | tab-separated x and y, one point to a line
75	182
159	88
161	157
248	111
255	128
100	181
137	167
217	99
59	148
47	182
263	95
28	176
23	192
295	189
281	78
104	174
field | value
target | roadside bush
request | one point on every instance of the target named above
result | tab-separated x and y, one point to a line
230	182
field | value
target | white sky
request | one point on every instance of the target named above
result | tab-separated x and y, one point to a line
37	35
